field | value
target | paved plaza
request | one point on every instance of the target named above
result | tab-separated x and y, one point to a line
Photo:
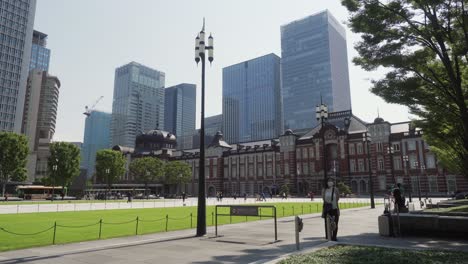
251	242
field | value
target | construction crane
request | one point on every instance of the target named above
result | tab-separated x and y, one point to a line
88	110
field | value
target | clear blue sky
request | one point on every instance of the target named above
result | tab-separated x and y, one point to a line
90	38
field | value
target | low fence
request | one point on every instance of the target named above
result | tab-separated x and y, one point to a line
164	223
73	207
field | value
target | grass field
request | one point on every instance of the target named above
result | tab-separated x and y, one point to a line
368	255
37	229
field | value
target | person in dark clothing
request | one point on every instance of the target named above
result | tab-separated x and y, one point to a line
235	196
245	196
399	200
331	195
183	197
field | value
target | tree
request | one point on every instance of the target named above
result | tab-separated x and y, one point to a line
177	172
110	165
147	170
13	158
63	164
343	188
424	46
284	189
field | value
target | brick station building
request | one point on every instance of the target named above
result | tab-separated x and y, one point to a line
397	153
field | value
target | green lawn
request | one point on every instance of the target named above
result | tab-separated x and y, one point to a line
367	255
85	225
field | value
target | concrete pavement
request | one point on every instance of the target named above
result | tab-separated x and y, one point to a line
237	243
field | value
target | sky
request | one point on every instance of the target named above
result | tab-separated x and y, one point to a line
89	39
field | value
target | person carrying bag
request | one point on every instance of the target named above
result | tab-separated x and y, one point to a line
331	210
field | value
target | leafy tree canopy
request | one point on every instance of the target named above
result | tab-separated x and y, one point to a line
63	164
13	158
110	166
177	172
423	44
148	169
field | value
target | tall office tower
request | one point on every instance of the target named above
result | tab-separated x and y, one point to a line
138	103
213	124
39	117
17	20
314	64
96	137
40	55
252	108
179	113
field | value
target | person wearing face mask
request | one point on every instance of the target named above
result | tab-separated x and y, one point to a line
331	195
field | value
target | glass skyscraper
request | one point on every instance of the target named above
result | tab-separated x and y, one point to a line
180	110
40	55
138	104
314	64
96	137
252	108
16	20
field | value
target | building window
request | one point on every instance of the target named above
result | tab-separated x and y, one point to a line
226	172
269	171
432	181
396	163
411	145
311	152
304	153
242	170
312	167
430	161
234	172
260	170
359	148
351	149
305	168
251	169
298	153
451	184
380	163
286	168
361	166
382	182
215	171
352	165
379	147
412	161
396	147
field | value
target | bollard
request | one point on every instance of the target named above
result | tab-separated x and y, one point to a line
167	219
100	228
55	230
260	209
212	218
298	225
191	221
136	229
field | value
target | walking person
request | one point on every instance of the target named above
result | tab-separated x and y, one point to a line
245	196
331	211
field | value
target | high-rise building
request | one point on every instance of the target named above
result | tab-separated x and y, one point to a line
179	113
138	103
314	64
39	117
40	55
252	107
96	137
213	124
17	20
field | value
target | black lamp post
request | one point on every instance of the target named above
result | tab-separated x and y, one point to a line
200	55
321	113
367	139
54	168
410	188
390	151
107	182
416	165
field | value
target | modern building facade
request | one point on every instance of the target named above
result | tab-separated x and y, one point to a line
179	113
40	55
96	137
252	105
39	118
138	104
314	65
17	21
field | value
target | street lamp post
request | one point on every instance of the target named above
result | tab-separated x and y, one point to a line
366	138
406	164
390	151
54	168
321	113
107	181
416	165
200	56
